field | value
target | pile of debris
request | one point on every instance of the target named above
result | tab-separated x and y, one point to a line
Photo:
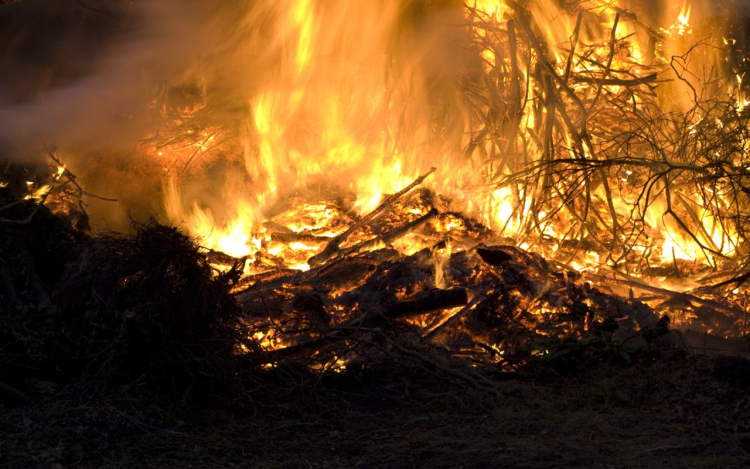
413	282
116	308
410	282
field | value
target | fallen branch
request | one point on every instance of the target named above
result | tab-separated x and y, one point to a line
434	332
12	392
666	293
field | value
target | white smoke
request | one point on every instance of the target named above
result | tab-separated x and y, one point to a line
95	88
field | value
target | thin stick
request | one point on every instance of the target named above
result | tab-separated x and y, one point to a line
455	317
390	236
612	42
573	45
72	178
333	245
12	392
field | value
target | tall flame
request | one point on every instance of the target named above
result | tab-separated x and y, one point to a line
360	97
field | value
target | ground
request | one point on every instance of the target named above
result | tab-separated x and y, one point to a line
690	413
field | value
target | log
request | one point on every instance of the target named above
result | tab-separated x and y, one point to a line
435	300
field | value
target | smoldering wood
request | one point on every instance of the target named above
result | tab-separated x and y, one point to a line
498	279
434	300
361	305
301	237
220	258
433	331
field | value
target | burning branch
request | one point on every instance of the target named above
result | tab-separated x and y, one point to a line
51	187
334	244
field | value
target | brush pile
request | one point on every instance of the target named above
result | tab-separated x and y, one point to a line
154	307
462	299
145	307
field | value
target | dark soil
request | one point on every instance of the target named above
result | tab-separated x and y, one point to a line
689	413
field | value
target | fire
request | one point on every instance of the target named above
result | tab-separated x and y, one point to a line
536	118
491	8
469	173
682	26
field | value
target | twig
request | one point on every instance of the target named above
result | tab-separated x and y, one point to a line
12	392
605	74
435	300
72	178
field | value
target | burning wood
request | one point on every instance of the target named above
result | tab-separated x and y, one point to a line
566	135
333	245
356	190
568	145
497	306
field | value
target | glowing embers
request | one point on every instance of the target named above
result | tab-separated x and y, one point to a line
179	147
316	233
496	306
301	231
316	219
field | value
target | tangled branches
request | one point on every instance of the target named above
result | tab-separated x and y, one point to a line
606	149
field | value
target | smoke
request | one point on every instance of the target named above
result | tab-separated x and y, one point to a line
303	83
81	74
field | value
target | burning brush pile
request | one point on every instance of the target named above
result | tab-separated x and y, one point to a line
158	307
461	298
470	188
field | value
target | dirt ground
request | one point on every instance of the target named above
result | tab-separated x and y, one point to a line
689	413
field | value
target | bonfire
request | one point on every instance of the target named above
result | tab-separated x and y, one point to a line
471	187
326	220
